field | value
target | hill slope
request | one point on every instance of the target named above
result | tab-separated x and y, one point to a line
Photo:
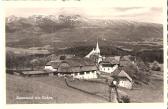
44	86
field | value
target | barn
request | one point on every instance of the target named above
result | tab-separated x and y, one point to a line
81	68
123	79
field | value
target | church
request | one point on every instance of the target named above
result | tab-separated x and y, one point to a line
104	64
95	54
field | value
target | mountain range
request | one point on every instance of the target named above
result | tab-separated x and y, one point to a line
61	29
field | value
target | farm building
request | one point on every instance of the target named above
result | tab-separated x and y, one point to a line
81	68
124	80
108	65
52	66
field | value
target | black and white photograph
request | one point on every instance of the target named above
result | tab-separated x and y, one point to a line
57	55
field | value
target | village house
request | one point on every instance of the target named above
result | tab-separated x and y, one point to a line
123	79
51	66
109	64
80	68
107	67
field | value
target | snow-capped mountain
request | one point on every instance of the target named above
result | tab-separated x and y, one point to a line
12	18
75	25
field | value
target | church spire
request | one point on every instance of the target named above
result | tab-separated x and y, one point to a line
97	50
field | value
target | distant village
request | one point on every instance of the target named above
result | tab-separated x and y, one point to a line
91	66
126	69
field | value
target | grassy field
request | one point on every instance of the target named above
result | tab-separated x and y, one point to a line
54	90
147	93
46	90
140	94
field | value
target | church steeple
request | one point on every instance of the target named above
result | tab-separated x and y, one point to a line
97	50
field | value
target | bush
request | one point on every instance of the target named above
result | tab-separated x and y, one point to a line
125	99
155	66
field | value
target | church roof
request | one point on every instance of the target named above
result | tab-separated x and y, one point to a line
90	53
94	51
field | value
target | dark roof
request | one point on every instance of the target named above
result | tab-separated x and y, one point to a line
78	65
115	72
106	64
83	69
128	58
79	62
121	74
112	60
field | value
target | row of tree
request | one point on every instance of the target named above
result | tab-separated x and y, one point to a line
21	62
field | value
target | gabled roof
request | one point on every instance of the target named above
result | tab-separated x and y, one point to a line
83	69
124	74
121	73
115	72
111	60
79	62
78	65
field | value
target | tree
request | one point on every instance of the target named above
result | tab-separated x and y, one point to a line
34	63
10	59
155	66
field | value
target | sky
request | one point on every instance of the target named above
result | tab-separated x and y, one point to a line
152	12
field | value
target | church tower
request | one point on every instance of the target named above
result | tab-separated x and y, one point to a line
97	50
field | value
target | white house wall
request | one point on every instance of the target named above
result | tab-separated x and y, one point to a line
50	68
89	75
125	83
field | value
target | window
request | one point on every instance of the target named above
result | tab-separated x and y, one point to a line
87	72
76	74
82	73
62	57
